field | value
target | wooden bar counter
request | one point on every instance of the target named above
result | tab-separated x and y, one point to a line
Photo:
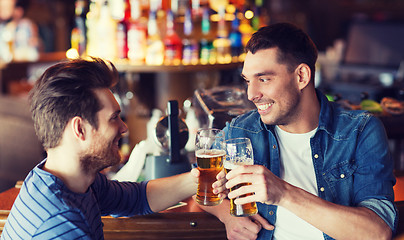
185	222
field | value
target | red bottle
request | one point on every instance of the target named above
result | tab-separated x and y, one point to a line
172	43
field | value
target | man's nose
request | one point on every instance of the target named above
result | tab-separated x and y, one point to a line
124	127
253	92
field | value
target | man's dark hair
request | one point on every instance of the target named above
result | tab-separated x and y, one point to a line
64	91
294	45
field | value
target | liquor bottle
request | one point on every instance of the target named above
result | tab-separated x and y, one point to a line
179	7
235	39
222	43
137	39
122	31
106	33
190	48
172	43
246	31
91	24
206	48
255	21
198	7
78	36
155	46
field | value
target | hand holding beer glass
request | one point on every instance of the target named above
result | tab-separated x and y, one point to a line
239	152
209	151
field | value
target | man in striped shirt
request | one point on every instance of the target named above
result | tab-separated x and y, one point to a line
77	120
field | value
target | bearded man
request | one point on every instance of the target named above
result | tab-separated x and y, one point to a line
77	120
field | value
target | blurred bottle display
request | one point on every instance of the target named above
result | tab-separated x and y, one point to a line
78	35
198	7
235	39
255	21
122	30
106	30
172	43
190	48
91	24
246	30
155	46
222	43
143	31
136	34
102	32
179	7
207	54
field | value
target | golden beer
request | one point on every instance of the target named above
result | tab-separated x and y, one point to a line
244	210
210	163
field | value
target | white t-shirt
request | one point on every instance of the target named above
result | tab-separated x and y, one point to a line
295	154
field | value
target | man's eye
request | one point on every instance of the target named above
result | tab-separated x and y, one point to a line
264	79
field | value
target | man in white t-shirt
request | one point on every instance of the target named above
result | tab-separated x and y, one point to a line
321	172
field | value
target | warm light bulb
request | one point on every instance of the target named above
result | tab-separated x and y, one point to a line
249	14
231	8
72	53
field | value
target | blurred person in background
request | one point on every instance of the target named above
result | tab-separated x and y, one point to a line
19	39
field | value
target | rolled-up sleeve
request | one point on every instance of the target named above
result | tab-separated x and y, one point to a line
385	209
374	179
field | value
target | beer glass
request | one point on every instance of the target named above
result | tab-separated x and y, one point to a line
209	151
239	152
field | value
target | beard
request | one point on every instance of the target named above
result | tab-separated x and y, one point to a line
287	113
100	155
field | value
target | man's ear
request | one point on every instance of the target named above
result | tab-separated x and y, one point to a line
303	74
78	127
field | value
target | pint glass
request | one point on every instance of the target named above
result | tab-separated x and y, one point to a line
239	152
210	152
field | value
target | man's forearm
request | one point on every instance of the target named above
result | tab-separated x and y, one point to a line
337	221
165	192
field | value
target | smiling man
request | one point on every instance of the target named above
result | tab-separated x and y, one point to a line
320	172
77	120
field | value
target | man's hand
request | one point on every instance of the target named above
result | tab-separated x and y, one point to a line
219	187
238	228
265	186
245	228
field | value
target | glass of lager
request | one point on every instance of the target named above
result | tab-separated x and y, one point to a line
239	152
209	151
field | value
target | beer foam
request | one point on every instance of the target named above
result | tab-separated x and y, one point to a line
203	153
233	163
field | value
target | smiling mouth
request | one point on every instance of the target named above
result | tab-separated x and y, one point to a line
263	107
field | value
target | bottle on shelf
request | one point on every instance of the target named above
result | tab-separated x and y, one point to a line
155	46
207	54
246	32
235	39
78	35
256	21
91	24
190	48
122	31
172	43
198	7
222	42
179	7
105	35
136	35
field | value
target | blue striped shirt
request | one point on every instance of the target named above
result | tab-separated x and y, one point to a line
46	209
